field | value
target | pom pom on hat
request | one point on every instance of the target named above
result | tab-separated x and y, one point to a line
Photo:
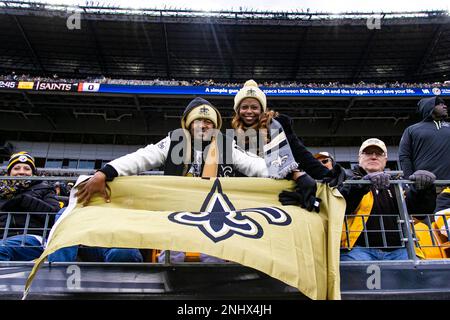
250	83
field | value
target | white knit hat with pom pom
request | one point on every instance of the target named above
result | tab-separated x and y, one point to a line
250	90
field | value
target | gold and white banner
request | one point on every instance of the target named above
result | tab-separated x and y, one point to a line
236	219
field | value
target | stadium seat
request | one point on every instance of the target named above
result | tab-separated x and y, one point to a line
154	255
440	249
192	257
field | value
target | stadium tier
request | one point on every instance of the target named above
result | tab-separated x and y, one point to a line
227	47
291	91
231	47
131	115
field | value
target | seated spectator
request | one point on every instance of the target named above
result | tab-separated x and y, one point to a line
61	193
57	186
377	202
326	159
69	187
24	196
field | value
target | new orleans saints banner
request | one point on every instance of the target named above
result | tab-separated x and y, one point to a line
236	219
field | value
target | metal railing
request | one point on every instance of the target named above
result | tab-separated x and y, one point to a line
411	231
414	239
11	229
382	233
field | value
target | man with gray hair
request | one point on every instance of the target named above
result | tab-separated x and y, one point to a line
371	230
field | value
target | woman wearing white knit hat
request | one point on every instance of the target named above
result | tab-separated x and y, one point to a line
267	133
250	107
248	115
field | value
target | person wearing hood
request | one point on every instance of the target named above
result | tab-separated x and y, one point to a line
426	146
204	153
23	235
197	149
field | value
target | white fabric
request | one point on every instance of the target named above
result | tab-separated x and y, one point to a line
151	157
154	156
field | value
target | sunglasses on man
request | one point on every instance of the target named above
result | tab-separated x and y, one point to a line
325	161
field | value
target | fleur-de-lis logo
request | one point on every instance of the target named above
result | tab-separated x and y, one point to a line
218	219
162	144
279	161
251	92
204	111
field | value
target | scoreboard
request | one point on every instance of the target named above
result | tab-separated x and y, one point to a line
222	91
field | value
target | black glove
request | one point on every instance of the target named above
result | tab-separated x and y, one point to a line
304	194
286	122
423	179
335	177
13	204
380	180
34	204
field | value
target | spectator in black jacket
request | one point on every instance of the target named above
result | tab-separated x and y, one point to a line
426	146
23	242
326	159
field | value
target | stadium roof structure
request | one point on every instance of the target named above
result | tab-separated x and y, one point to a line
224	45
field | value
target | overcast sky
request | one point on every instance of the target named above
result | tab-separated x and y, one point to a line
334	6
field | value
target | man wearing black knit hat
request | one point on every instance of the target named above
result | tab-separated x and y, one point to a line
426	146
184	152
21	161
197	149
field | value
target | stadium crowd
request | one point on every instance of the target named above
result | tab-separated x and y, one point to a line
210	82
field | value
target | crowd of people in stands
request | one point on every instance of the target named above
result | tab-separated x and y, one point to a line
211	82
371	228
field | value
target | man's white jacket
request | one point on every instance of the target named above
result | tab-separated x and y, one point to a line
155	155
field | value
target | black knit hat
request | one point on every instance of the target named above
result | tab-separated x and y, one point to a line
21	157
439	101
197	102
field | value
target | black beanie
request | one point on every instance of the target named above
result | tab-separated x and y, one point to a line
439	101
198	101
21	157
